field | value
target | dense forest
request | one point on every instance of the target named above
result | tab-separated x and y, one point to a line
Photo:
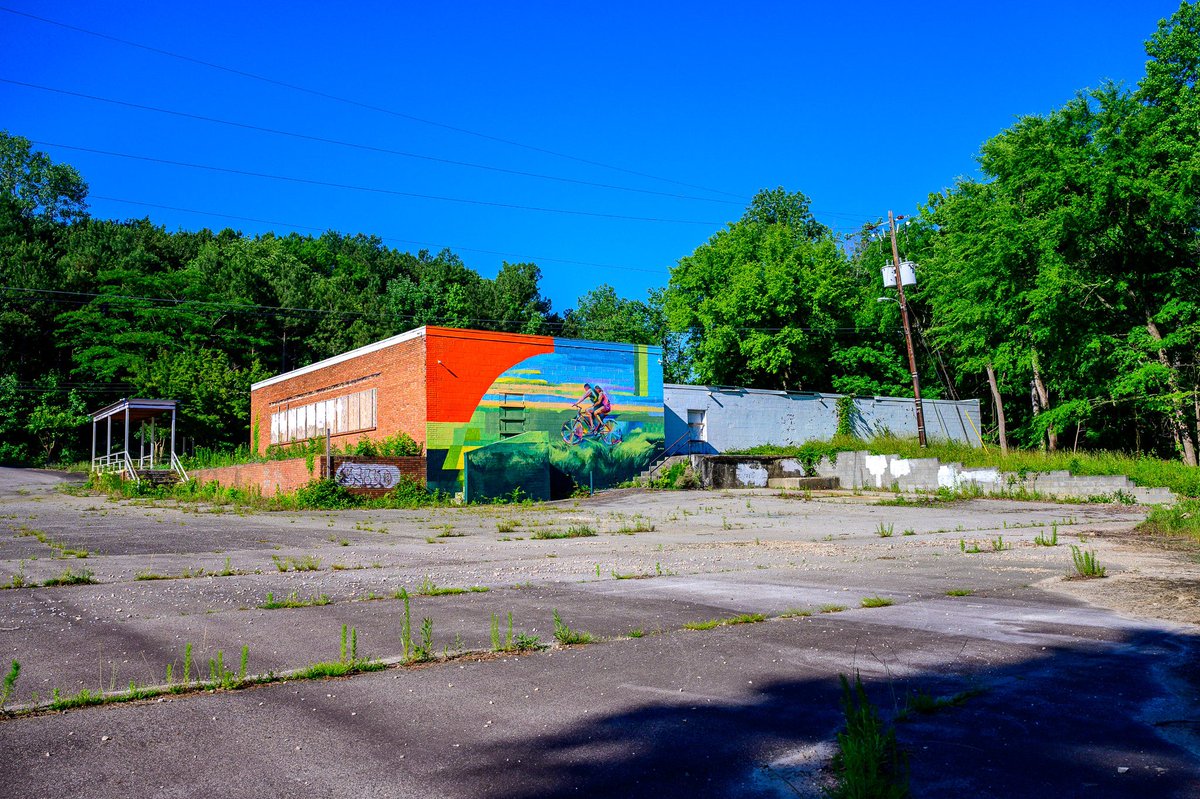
1062	286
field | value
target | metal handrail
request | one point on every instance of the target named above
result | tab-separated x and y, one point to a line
132	471
666	453
177	465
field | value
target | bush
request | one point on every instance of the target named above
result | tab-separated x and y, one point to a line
324	495
410	492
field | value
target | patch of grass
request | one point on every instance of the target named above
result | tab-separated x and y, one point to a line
998	544
876	602
152	576
505	526
1085	564
10	682
1042	540
960	592
429	588
566	636
831	608
1180	519
743	618
869	762
637	524
303	563
909	531
970	550
574	531
885	530
71	577
795	613
637	632
925	703
294	600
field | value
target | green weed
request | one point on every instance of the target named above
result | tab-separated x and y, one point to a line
876	602
869	763
1086	566
566	636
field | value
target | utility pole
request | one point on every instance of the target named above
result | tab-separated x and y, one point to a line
912	358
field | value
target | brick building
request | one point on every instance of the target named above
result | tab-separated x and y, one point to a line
492	410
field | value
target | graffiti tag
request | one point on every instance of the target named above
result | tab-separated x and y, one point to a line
367	475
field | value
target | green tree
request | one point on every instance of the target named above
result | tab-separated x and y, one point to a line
55	418
39	187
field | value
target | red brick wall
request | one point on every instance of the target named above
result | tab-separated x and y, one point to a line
410	467
285	476
269	478
399	383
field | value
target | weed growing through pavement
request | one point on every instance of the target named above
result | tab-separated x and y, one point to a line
429	588
970	550
574	531
795	613
10	682
876	602
637	632
294	600
744	618
960	592
869	762
925	703
18	580
304	563
71	577
998	544
566	636
1086	566
638	524
406	641
885	530
909	531
505	526
831	608
1043	540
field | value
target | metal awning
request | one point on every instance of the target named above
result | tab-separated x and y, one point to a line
138	409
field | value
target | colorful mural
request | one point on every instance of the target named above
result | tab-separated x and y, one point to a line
543	412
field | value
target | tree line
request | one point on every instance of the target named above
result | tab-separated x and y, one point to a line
1062	285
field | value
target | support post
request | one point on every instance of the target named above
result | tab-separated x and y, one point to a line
151	442
93	444
172	437
912	358
126	430
108	434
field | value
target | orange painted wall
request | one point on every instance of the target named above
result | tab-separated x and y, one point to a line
462	364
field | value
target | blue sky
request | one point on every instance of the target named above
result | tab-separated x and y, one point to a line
864	107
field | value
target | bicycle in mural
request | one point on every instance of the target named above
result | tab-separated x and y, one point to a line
574	431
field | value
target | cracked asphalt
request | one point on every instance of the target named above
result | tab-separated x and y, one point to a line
1068	688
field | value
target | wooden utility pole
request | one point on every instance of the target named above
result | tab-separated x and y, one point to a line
912	358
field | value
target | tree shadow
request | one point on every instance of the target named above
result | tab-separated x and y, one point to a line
1109	721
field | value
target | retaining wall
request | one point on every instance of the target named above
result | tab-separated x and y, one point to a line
859	470
374	477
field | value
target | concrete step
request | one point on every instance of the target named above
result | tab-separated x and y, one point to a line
158	477
805	483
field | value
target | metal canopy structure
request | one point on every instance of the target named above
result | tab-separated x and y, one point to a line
143	413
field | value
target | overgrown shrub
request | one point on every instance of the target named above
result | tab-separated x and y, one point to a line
324	495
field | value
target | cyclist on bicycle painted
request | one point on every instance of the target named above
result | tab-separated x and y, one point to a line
601	406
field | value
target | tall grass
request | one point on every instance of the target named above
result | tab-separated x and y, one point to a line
1182	519
316	495
1143	470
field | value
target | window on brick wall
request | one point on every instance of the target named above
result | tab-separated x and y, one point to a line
346	414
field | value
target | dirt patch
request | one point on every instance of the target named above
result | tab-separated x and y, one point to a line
1160	578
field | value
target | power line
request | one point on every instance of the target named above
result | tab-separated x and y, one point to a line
357	103
381	236
56	295
366	147
371	189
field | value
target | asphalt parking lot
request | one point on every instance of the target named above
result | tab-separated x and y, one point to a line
1066	688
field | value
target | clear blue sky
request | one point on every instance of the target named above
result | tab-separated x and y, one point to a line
862	106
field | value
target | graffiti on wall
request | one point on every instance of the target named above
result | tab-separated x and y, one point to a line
367	475
578	412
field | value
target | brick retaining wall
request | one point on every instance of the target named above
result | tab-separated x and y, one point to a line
285	476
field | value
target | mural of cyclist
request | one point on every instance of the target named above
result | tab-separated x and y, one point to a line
600	406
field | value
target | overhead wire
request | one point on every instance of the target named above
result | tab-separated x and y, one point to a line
365	147
370	189
357	103
383	237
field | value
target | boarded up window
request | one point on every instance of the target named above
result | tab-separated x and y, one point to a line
349	413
